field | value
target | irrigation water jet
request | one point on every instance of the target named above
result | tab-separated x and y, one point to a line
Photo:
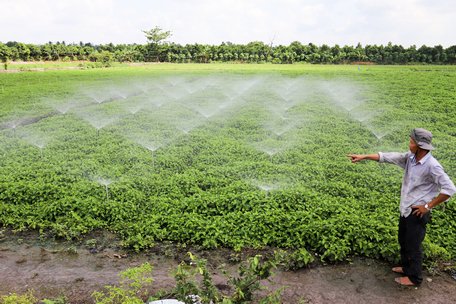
149	145
270	151
35	139
266	187
97	121
40	147
104	182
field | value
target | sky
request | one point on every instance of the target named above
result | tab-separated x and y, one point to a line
343	22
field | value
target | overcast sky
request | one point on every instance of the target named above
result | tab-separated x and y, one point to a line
404	22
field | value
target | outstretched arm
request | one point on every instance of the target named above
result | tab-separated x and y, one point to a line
359	157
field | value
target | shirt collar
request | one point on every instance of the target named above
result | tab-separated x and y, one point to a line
422	161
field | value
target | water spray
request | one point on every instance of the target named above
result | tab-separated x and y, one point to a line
105	183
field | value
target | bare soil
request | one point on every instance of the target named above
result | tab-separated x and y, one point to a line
54	269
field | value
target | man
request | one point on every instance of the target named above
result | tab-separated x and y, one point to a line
424	186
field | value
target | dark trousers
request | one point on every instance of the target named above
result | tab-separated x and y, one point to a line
411	234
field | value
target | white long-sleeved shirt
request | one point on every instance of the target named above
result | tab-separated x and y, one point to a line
423	180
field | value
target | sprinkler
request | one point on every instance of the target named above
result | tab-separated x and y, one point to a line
105	183
267	188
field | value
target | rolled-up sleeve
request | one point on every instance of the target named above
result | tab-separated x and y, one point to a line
442	179
395	158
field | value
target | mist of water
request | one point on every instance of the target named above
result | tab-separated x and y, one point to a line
104	182
163	105
97	119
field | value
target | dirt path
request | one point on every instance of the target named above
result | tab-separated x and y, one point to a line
59	268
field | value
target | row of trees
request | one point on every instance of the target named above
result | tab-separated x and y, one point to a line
254	52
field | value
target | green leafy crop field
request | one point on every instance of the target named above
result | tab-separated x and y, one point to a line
223	155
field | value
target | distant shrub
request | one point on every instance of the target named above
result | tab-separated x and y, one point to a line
14	298
133	284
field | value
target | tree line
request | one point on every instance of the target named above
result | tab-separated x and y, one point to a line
253	52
